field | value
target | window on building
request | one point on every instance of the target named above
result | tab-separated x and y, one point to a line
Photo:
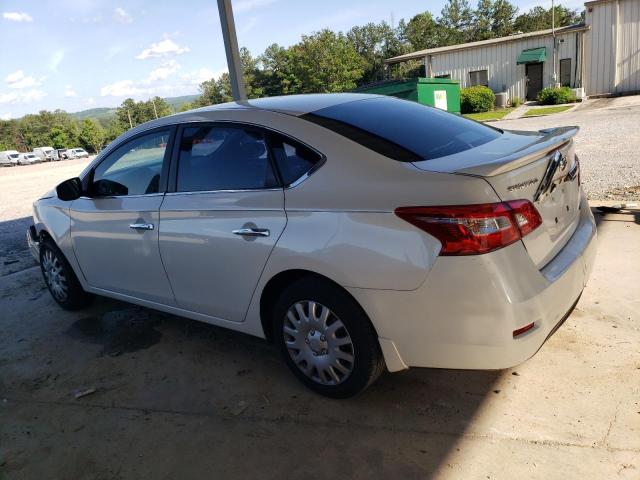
444	75
479	77
565	72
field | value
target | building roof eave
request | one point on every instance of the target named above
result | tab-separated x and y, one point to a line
482	43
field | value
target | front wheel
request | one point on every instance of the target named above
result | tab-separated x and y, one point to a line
326	338
61	279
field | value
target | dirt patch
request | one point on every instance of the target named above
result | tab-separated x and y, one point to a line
119	331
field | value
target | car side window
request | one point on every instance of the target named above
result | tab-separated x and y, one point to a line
134	168
223	158
293	159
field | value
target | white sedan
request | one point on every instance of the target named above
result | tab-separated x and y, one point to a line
28	159
356	232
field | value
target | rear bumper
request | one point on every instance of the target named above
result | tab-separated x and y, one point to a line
464	314
34	244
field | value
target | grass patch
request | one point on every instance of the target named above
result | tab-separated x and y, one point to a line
546	110
492	115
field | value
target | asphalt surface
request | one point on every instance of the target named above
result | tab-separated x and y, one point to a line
608	144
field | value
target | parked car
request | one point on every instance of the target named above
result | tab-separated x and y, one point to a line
354	231
28	159
45	153
77	153
62	153
9	158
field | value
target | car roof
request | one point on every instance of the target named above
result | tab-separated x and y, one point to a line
295	105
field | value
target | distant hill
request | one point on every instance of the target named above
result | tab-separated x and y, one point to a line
95	113
104	113
177	102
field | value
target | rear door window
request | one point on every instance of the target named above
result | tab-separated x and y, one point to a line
293	159
403	130
215	157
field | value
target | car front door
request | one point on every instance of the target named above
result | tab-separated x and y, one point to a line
223	219
114	229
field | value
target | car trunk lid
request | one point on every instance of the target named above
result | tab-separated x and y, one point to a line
537	166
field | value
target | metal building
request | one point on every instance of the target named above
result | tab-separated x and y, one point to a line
601	56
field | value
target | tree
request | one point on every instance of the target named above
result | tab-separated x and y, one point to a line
92	136
275	75
503	18
483	20
456	18
326	62
422	32
539	18
375	42
131	113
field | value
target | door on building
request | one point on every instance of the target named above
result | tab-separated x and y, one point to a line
534	79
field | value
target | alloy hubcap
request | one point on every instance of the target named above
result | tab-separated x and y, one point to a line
318	343
54	275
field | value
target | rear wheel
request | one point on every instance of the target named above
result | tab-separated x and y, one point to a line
326	339
61	279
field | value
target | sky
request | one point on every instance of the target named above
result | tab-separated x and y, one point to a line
79	54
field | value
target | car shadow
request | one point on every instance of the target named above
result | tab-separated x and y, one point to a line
626	215
14	251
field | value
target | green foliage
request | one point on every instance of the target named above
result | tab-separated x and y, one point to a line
457	20
131	113
516	101
325	62
476	99
539	18
374	43
92	135
556	96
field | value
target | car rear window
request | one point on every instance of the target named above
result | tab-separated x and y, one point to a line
403	130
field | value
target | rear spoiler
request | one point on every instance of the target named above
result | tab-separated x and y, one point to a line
553	139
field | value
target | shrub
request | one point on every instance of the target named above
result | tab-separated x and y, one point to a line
477	99
556	96
516	101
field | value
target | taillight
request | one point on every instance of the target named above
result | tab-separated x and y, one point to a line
474	229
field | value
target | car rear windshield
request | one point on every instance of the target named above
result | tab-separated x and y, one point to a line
403	130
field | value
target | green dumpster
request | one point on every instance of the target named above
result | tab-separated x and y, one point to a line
442	93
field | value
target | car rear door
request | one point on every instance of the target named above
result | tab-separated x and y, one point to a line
223	218
114	229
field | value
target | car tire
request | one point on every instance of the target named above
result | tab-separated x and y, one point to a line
326	338
61	279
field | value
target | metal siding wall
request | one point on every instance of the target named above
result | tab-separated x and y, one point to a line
629	47
600	55
500	61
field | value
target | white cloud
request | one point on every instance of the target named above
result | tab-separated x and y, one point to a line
164	48
69	91
55	60
91	101
121	88
18	79
196	77
5	116
121	16
248	5
164	71
22	96
17	16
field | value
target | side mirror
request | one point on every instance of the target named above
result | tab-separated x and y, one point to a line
69	189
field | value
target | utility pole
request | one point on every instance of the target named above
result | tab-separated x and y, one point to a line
130	122
555	47
231	49
153	100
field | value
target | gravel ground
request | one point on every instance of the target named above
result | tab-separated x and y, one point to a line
608	144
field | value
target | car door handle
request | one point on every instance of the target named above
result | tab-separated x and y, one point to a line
252	232
141	226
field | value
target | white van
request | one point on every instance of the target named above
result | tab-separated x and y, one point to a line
45	153
9	158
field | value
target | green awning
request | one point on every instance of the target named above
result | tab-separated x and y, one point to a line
532	55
